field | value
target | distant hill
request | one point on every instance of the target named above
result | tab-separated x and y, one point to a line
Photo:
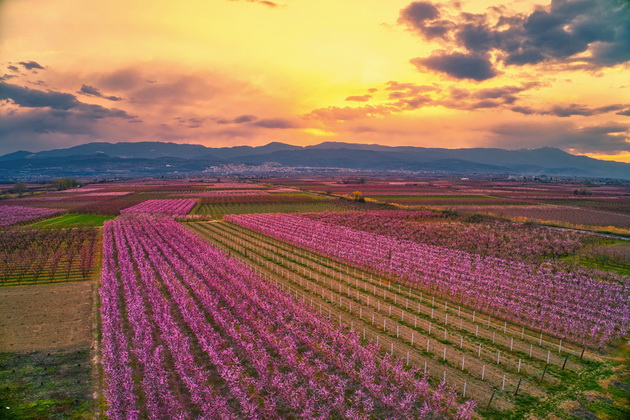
158	158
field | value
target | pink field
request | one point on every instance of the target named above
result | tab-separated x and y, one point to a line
189	332
233	186
221	193
164	207
573	215
106	194
10	215
490	238
584	310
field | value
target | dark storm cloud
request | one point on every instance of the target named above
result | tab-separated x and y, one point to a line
33	98
596	31
39	120
625	113
275	123
42	121
92	91
31	65
362	98
44	128
458	65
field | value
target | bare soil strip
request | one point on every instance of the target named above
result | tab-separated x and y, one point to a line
46	316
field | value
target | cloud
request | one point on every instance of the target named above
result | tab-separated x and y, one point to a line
13	68
44	129
624	113
569	110
92	91
413	103
7	77
409	96
339	114
565	135
263	2
362	98
587	33
184	89
406	90
122	80
502	91
244	119
238	120
31	65
280	123
458	65
496	97
32	98
423	17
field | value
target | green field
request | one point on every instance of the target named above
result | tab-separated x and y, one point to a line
72	220
46	385
218	210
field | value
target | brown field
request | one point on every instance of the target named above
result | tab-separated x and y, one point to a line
46	317
549	213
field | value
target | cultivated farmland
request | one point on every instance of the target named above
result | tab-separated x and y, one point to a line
249	300
10	215
188	331
502	365
32	256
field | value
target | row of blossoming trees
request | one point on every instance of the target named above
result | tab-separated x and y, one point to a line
46	255
570	306
10	215
171	207
190	332
487	237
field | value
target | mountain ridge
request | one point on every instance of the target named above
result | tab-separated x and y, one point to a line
540	161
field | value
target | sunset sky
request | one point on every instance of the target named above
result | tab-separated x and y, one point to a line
514	74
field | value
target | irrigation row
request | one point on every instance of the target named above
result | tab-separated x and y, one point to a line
508	330
480	349
459	366
442	313
436	369
400	320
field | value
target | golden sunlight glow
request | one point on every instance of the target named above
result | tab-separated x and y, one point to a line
226	72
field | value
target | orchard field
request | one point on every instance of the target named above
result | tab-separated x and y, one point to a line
345	297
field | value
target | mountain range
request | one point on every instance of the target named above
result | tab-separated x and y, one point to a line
168	159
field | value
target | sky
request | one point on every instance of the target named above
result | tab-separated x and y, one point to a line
511	74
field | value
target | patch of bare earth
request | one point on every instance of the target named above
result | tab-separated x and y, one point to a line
44	317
